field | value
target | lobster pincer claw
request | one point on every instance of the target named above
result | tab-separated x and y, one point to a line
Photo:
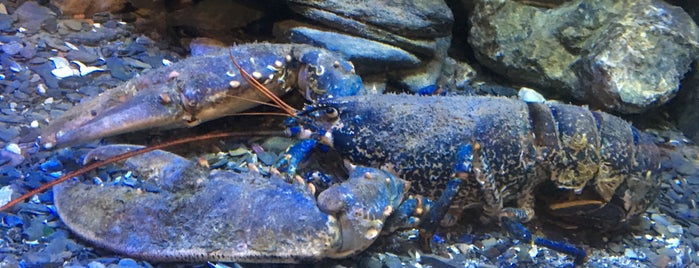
179	211
202	88
151	108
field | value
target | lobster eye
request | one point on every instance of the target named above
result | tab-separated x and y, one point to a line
331	112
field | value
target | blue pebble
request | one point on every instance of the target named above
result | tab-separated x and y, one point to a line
438	239
12	221
128	263
466	238
51	165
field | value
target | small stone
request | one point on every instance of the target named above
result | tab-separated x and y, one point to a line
96	264
6	23
12	48
616	247
51	165
7	133
630	253
128	263
267	158
41	89
118	69
83	54
661	261
5	194
74	25
31	16
530	95
36	259
85	70
13	148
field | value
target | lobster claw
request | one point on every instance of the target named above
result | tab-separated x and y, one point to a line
114	113
202	88
186	93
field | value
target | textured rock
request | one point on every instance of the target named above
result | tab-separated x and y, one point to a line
367	55
685	107
408	24
88	7
31	16
626	56
213	18
426	74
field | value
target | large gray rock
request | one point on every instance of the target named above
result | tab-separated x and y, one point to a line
367	55
625	56
685	108
409	24
403	43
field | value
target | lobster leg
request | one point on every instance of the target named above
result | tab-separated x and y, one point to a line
518	231
471	162
295	154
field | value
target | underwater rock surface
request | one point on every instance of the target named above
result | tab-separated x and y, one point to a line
624	56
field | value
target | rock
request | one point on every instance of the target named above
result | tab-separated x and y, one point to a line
75	25
637	62
102	34
118	69
7	133
88	7
410	25
426	74
368	56
626	56
31	16
6	23
214	18
84	54
684	109
12	48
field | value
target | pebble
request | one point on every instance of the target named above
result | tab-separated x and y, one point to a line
31	16
13	148
12	48
630	253
83	54
8	133
96	264
118	69
74	25
85	70
5	194
6	23
530	95
267	158
128	263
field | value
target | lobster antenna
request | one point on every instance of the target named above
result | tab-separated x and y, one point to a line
126	155
261	88
258	102
259	113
